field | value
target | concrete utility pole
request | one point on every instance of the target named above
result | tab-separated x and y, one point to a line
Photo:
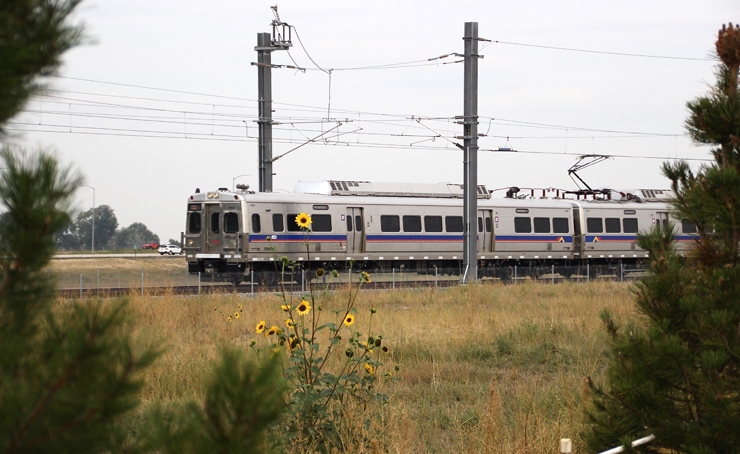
470	147
265	45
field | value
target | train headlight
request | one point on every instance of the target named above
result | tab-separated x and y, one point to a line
213	195
191	242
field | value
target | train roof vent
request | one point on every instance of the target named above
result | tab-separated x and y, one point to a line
376	189
655	195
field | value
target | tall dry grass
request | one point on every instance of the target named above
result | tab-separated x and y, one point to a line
484	368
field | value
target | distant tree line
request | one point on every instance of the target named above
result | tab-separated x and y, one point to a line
78	234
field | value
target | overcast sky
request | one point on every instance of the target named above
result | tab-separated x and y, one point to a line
162	98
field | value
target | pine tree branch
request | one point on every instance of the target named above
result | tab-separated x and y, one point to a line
18	264
52	391
85	417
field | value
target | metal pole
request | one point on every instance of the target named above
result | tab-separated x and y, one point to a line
80	286
588	272
621	272
98	280
198	282
470	150
264	80
252	274
552	274
515	274
303	280
142	281
394	278
436	277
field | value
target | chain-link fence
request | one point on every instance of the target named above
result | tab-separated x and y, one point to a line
105	279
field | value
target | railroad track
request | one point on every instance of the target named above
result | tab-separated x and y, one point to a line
210	288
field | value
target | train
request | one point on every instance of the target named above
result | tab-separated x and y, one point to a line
377	227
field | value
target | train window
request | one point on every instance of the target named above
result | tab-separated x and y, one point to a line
433	223
194	223
256	223
215	217
412	223
277	223
688	227
358	223
231	222
480	224
541	225
321	223
292	225
612	225
488	225
560	225
594	225
349	223
523	225
390	223
629	225
454	223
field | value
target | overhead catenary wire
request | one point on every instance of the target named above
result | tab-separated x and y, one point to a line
621	54
62	129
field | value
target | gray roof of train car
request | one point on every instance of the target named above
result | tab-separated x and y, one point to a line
280	197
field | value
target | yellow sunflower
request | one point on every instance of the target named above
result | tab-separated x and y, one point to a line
303	308
367	348
229	318
349	319
288	322
236	314
273	330
285	307
369	368
303	220
365	277
260	327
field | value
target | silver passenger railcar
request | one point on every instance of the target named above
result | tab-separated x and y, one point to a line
379	226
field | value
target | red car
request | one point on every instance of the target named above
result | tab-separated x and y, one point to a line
152	245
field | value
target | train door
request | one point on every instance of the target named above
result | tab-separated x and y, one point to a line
485	231
662	218
214	234
355	230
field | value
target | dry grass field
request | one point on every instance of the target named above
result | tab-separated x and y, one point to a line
119	272
483	368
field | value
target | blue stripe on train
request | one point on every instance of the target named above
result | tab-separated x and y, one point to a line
256	238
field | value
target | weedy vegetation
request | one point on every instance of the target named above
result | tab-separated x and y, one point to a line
483	368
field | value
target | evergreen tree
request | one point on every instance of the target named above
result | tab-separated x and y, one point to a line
676	374
33	36
68	373
65	375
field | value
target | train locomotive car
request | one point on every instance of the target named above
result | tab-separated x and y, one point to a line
381	226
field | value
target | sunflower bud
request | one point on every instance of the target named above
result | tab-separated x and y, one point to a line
320	272
335	273
377	342
349	353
